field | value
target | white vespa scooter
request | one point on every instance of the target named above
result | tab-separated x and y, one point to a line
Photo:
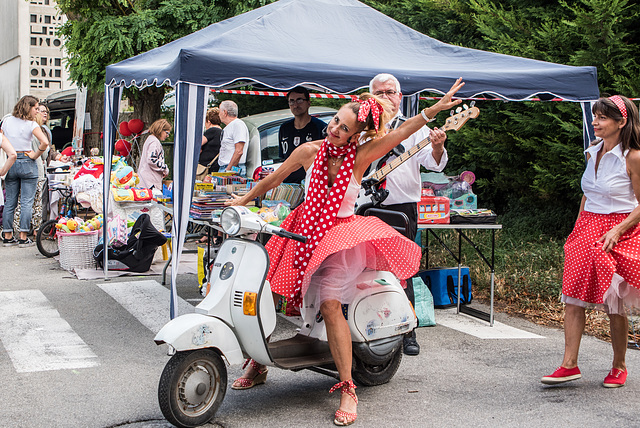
238	314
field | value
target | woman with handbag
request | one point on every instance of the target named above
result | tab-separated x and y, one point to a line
208	160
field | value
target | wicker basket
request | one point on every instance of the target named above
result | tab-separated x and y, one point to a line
76	249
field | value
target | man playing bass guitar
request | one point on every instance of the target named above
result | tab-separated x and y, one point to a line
403	183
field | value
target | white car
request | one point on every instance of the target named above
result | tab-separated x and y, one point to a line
263	136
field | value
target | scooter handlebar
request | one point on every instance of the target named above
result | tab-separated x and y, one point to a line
285	233
291	235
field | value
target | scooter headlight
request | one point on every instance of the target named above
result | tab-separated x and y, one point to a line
230	221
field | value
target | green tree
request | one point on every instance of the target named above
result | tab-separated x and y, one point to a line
102	32
527	156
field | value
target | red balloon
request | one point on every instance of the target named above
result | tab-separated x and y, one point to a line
136	126
124	129
123	147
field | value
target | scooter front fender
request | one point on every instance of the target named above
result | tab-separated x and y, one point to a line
197	331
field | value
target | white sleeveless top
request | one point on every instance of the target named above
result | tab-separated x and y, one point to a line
348	202
609	190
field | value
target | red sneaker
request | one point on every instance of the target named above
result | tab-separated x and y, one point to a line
562	375
615	379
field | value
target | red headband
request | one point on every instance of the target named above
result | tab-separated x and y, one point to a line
370	105
620	104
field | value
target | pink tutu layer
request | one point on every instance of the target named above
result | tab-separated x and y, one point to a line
386	250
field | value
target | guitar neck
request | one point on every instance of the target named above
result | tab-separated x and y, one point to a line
380	174
454	122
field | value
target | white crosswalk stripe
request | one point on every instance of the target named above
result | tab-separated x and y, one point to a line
36	337
147	300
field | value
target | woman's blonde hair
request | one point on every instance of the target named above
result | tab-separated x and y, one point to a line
158	126
22	109
368	126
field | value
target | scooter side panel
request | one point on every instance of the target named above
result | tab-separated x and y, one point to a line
196	331
380	309
382	312
250	277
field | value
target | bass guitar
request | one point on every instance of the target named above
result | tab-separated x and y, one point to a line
373	194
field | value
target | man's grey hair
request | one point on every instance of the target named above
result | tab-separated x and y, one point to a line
230	107
382	78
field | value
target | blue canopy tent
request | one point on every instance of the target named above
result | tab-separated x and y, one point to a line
331	45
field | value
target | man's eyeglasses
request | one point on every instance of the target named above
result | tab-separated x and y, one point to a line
388	93
297	101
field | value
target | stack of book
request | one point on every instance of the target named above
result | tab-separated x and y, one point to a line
292	193
206	202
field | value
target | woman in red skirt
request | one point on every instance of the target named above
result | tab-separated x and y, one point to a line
602	254
340	245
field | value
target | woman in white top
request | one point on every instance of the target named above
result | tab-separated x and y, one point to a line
41	163
22	178
602	253
337	237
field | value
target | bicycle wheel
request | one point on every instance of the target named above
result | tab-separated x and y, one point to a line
47	239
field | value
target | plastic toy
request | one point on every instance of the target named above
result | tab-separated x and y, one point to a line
77	225
456	188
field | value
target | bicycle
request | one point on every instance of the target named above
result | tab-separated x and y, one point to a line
47	236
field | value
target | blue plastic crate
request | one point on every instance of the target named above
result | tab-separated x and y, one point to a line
443	283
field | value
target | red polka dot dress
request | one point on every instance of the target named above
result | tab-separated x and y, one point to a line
363	242
593	278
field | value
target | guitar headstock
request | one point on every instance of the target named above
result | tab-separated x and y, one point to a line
460	117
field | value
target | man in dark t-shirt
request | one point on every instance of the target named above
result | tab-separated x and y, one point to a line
299	130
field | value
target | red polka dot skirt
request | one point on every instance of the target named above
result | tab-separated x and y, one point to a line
589	272
393	252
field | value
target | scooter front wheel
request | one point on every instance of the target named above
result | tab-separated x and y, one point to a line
192	387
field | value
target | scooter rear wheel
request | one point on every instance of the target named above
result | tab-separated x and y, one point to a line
366	374
192	387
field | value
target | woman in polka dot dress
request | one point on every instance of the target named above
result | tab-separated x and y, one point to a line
340	245
602	254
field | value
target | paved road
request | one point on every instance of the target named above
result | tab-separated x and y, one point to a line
80	354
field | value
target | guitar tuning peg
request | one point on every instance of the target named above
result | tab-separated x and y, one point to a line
451	113
459	109
464	106
473	103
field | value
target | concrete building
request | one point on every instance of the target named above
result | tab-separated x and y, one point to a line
31	55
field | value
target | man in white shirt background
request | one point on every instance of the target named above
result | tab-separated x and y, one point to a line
235	139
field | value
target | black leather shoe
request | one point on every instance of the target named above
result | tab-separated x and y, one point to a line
410	345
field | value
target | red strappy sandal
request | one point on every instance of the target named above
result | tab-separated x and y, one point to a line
347	418
246	383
